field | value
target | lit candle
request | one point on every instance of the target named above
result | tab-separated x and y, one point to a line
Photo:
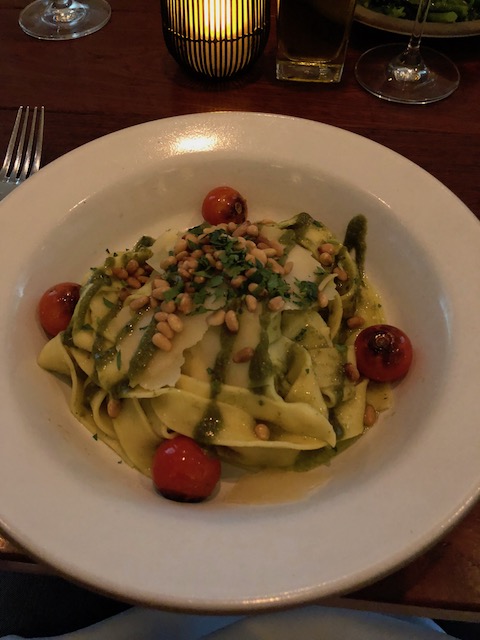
216	38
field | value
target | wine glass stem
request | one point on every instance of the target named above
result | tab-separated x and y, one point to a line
412	52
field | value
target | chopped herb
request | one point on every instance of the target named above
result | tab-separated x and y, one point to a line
87	327
119	360
95	436
108	303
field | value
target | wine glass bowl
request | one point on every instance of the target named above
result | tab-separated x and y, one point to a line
64	19
408	74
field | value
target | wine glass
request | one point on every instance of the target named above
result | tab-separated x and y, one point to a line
407	74
64	19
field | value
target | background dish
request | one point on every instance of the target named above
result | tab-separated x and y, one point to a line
404	27
66	499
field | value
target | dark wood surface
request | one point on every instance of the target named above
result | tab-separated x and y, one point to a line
122	76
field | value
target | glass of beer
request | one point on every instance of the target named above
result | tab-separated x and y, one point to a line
312	39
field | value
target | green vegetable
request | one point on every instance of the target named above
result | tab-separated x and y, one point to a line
441	11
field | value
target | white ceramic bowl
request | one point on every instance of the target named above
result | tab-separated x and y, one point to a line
65	498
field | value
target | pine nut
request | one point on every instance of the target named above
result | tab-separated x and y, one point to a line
132	266
244	355
325	259
251	302
133	283
120	273
351	372
175	323
184	303
370	415
252	230
262	431
113	408
161	342
231	321
217	318
237	281
341	274
259	254
168	262
288	267
327	247
139	303
159	293
276	304
160	316
322	299
180	245
165	329
355	322
168	306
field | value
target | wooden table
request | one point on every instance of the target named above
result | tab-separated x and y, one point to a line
122	76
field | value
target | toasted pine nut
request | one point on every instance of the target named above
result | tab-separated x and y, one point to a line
165	329
132	266
180	245
231	226
275	266
159	293
161	342
139	303
288	267
370	415
325	259
231	320
168	306
153	303
175	323
113	408
355	321
351	371
342	275
120	273
251	302
237	281
244	355
276	304
259	254
160	316
184	303
168	262
217	318
252	230
160	283
322	299
262	431
143	279
133	283
327	247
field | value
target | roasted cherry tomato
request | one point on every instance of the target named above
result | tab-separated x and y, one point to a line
57	305
183	471
384	353
224	204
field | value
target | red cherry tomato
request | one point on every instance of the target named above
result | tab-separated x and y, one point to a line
57	305
224	204
183	471
384	353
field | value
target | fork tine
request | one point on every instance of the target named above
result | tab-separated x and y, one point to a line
39	146
21	141
11	145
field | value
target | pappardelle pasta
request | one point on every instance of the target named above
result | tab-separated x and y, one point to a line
239	336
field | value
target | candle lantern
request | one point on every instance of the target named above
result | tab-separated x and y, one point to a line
215	38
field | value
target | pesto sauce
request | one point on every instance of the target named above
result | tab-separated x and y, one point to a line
217	376
261	367
210	424
307	460
355	239
144	353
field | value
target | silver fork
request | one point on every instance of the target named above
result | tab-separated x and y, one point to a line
24	151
